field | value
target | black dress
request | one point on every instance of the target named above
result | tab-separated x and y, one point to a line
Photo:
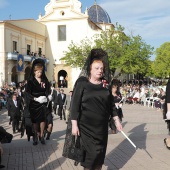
117	99
167	100
92	107
38	111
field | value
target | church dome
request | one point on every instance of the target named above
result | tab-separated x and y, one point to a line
98	15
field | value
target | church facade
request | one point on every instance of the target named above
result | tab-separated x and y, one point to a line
48	38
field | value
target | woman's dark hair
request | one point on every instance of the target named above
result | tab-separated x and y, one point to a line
114	82
38	66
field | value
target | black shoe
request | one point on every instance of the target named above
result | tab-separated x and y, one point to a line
166	144
64	118
10	123
2	166
45	133
42	141
47	138
35	140
48	135
66	122
28	137
60	118
35	143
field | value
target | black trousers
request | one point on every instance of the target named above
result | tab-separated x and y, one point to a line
55	109
61	112
15	123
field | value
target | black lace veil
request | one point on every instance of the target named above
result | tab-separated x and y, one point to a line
43	76
96	54
40	62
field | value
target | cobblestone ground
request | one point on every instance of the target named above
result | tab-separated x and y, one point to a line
142	124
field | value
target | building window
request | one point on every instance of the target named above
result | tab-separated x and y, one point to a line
62	33
39	52
14	46
28	49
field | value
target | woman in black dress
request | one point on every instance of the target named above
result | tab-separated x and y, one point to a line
166	113
117	98
91	108
38	90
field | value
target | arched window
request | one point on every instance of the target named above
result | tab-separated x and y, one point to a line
62	79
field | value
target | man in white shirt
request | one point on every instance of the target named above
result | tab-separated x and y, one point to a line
55	100
14	107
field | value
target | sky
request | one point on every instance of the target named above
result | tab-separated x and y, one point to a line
148	18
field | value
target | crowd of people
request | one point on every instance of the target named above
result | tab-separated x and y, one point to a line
30	105
94	104
146	95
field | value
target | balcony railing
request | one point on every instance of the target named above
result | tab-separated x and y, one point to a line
28	58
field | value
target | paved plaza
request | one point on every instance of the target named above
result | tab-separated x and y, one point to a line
142	124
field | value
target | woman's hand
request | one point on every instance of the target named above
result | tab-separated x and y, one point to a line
75	129
117	123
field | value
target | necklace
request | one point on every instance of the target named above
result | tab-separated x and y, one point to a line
95	82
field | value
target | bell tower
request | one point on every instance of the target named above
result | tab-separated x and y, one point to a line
76	5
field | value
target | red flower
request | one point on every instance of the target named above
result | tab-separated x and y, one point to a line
105	84
42	85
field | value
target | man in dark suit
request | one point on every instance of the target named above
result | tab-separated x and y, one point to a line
21	101
55	100
61	110
14	107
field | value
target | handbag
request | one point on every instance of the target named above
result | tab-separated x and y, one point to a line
75	151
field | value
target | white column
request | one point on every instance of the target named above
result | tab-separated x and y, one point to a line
9	77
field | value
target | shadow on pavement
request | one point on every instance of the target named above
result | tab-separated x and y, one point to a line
124	151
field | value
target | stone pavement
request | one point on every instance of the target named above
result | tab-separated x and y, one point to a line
143	125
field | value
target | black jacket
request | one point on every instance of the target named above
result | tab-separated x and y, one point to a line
56	98
14	111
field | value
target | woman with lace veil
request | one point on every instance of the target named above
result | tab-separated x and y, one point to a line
166	113
91	109
38	91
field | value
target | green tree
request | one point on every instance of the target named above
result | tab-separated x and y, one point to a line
77	53
149	70
161	64
135	56
112	42
128	53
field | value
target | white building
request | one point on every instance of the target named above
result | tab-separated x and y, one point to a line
50	35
